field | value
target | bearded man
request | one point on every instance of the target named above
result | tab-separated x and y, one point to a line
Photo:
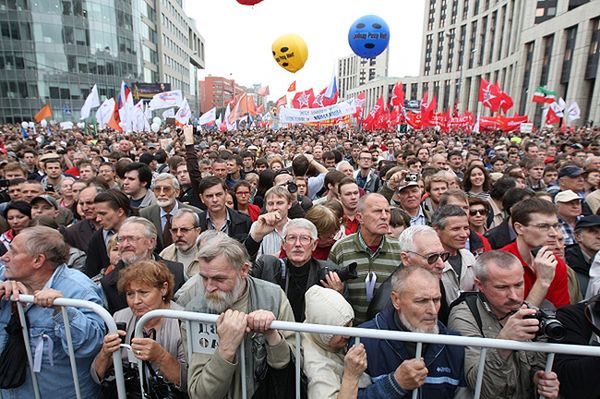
245	305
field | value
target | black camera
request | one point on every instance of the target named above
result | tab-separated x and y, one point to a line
411	177
345	273
550	326
292	187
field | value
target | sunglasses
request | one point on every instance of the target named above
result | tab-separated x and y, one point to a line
432	258
474	212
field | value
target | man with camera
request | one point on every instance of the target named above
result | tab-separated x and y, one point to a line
406	186
499	311
299	203
299	271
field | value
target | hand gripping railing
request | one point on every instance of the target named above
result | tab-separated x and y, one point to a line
419	338
77	303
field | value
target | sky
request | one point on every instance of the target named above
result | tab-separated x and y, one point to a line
238	38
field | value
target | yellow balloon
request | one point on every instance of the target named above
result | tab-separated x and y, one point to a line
290	52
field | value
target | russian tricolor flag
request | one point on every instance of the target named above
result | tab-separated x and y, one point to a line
332	88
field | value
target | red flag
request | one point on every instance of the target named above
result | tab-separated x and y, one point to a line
282	101
506	101
292	87
303	99
424	102
115	120
551	117
428	112
413	120
489	95
321	101
455	113
397	95
360	104
263	91
260	109
44	113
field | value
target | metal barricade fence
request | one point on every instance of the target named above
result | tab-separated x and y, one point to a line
419	338
78	303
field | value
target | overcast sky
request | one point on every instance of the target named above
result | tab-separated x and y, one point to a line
238	38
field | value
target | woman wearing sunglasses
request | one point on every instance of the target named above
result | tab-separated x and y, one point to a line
479	210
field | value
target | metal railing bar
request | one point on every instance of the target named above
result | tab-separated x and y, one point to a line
480	369
36	388
110	324
243	365
297	355
549	363
387	334
418	354
65	316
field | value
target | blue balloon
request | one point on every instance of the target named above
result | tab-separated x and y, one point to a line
369	36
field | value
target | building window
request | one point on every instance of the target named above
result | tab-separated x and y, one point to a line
454	12
472	44
482	37
594	52
576	3
545	10
529	47
571	34
465	9
548	42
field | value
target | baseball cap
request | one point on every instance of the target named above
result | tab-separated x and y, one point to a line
48	156
570	171
588	221
566	196
406	183
252	147
47	199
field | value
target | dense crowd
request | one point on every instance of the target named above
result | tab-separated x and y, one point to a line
490	235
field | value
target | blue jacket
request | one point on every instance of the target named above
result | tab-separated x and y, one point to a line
47	330
445	363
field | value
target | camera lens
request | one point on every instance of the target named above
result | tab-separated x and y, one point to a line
553	329
292	187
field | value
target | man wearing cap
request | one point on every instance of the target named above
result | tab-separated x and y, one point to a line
580	256
570	177
409	195
46	205
568	205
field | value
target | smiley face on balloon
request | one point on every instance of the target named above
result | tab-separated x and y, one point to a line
369	36
290	52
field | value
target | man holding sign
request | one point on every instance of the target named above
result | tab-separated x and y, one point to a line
246	308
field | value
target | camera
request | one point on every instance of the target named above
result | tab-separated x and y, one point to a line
411	177
550	326
345	273
4	183
292	187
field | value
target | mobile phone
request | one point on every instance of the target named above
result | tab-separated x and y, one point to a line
535	250
123	327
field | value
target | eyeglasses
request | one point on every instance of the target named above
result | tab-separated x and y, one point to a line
432	258
546	226
304	240
121	239
481	212
184	230
165	189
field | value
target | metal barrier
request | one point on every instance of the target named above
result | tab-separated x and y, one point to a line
63	303
419	338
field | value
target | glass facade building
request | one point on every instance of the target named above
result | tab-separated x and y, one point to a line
54	51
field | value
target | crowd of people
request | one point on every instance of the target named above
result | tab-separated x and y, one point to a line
490	235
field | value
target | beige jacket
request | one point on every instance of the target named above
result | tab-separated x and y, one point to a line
212	377
455	284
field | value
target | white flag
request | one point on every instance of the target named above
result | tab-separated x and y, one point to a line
92	101
170	113
104	113
126	108
166	99
573	112
208	117
139	119
183	113
556	108
230	126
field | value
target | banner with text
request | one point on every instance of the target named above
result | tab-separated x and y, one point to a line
308	115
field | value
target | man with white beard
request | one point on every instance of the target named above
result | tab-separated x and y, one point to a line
166	190
245	305
136	239
416	299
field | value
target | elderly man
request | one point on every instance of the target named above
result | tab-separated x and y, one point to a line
536	225
439	372
136	240
376	256
568	205
499	312
185	230
299	271
452	226
35	264
245	304
79	234
166	190
580	256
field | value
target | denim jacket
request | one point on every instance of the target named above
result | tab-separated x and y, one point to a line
47	335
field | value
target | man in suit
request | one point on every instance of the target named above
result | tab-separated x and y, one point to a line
166	189
136	240
80	234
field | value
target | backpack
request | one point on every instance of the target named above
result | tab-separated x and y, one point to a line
470	297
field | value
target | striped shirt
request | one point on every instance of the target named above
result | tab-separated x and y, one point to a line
382	262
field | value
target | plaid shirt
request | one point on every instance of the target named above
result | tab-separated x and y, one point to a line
568	232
